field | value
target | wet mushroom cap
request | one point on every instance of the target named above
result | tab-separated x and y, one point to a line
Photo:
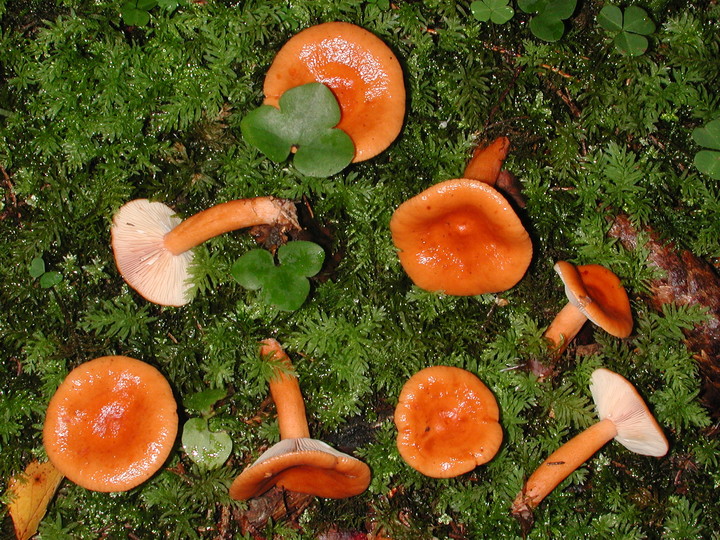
138	241
447	421
303	465
111	423
362	72
598	293
461	237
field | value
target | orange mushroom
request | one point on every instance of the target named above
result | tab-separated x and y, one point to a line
447	421
298	463
623	416
111	423
362	72
153	247
461	237
594	293
487	161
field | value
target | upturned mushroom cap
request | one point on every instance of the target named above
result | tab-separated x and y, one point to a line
111	424
138	233
598	293
461	237
447	421
616	399
362	72
304	465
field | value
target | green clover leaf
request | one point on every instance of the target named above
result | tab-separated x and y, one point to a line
496	11
137	12
305	122
209	449
285	286
548	23
47	279
630	28
708	161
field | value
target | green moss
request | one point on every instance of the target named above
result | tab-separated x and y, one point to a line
94	113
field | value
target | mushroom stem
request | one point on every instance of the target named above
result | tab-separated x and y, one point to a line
285	391
226	217
561	463
564	327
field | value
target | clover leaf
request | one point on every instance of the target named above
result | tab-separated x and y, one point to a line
708	161
284	286
497	11
137	12
47	279
304	123
548	23
209	449
630	28
205	446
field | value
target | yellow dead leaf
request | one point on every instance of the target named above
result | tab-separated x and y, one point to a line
32	491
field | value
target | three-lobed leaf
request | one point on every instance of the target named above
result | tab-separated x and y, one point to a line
284	286
707	160
630	27
209	449
305	124
548	23
496	11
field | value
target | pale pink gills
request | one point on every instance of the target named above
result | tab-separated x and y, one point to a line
153	247
297	462
623	415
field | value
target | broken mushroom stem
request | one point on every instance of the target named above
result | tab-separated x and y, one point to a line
285	391
226	217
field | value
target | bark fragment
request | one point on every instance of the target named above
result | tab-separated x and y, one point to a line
686	280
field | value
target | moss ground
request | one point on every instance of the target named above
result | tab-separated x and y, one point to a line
94	113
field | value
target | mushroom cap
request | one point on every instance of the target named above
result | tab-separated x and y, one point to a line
599	295
359	68
303	465
447	421
617	399
138	231
111	423
461	237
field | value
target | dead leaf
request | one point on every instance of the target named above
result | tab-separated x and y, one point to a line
32	492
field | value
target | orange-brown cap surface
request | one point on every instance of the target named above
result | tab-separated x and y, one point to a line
303	465
598	293
461	237
447	421
362	72
111	424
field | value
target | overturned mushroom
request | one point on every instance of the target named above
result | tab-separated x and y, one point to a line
447	421
298	463
153	247
461	237
362	72
111	423
623	416
594	293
